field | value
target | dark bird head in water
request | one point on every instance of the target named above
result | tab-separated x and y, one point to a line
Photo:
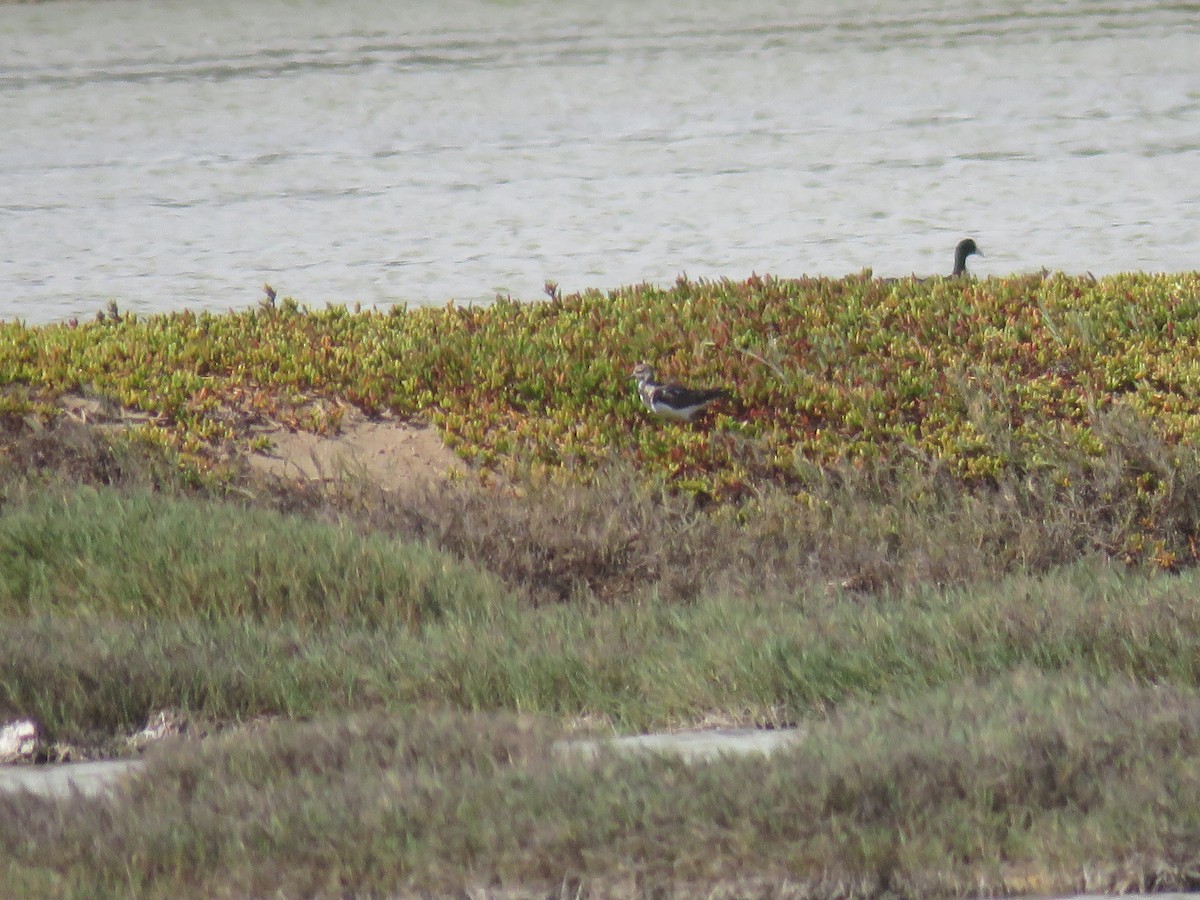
966	247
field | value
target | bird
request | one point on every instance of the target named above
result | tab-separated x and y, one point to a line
965	248
672	401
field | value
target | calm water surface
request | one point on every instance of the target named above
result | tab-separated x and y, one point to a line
171	154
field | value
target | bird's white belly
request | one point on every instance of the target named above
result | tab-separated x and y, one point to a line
679	413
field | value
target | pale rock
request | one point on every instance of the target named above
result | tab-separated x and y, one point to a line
18	740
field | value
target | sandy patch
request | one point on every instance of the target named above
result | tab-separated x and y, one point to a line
387	452
391	453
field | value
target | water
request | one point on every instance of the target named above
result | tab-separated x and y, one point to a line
169	155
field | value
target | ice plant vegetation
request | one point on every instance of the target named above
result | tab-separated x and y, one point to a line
991	380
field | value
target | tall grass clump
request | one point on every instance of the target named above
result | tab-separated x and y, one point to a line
84	551
775	658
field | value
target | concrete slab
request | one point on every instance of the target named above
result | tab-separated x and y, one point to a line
692	746
60	779
92	778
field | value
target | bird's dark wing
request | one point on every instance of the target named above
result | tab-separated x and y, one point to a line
680	397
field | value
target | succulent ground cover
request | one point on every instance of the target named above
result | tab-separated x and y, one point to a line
946	527
993	381
991	378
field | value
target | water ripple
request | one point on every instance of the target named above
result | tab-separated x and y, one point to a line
171	155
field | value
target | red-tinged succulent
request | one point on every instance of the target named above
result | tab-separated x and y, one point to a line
989	378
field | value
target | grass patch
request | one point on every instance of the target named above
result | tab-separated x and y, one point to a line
120	604
1022	784
111	553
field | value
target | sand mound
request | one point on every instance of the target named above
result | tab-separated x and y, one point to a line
389	453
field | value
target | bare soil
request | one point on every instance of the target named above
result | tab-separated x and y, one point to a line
392	454
387	452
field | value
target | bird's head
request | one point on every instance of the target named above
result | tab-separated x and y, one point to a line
642	373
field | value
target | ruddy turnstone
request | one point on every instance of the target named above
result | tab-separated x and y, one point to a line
672	401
